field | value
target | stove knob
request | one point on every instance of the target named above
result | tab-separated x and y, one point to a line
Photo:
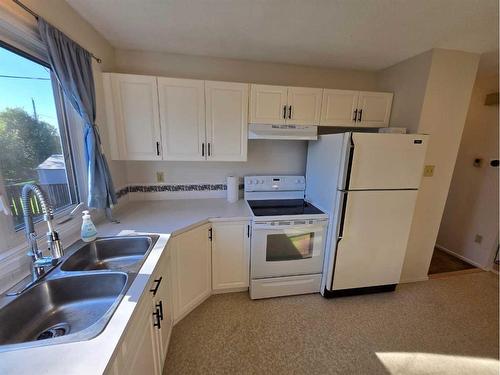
256	181
297	181
250	182
261	181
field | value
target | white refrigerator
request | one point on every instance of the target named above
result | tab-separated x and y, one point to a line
368	184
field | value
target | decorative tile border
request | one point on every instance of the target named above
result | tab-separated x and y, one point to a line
171	188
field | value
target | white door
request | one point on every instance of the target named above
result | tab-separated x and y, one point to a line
268	104
373	240
339	108
387	161
135	101
304	105
226	120
284	249
182	116
374	109
230	255
192	270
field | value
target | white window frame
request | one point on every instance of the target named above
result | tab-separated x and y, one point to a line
21	34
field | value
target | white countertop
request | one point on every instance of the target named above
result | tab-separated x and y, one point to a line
167	218
173	216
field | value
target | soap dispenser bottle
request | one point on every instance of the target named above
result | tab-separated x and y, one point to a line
89	232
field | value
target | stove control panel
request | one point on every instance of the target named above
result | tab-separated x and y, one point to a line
275	183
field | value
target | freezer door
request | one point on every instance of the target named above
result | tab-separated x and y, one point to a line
386	161
373	236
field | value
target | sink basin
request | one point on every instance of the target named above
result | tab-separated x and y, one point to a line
112	253
62	309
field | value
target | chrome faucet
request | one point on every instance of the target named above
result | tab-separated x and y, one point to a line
40	264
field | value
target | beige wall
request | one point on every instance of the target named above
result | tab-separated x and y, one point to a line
264	157
472	204
443	111
61	15
210	68
408	81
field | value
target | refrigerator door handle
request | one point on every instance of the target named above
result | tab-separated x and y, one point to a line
340	234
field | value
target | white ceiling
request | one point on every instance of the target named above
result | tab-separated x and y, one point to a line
362	34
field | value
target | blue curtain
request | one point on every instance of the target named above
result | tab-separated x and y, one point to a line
72	66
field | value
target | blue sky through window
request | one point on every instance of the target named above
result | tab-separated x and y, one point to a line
17	92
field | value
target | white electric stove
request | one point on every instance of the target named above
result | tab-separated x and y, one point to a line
288	237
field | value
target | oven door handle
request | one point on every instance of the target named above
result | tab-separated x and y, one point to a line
301	227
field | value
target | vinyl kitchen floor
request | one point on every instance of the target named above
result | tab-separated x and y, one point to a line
443	262
445	326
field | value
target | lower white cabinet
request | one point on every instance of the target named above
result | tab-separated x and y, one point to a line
162	305
230	256
144	347
211	257
191	260
139	351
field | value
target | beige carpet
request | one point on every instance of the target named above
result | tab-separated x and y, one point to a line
442	326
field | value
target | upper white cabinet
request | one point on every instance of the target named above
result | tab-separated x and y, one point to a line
132	102
338	107
356	108
182	118
304	105
230	256
152	118
226	120
374	108
279	105
268	104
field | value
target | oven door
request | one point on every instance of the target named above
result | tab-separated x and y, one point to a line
287	247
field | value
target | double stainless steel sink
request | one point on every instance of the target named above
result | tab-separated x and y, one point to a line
76	299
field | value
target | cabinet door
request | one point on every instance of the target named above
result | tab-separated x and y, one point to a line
304	105
139	350
135	104
182	117
375	109
338	107
163	301
268	104
226	120
192	270
230	255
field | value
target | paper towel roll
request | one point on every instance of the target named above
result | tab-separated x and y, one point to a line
232	189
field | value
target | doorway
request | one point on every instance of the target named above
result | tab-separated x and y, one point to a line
468	234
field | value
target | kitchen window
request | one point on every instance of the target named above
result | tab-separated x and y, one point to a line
35	142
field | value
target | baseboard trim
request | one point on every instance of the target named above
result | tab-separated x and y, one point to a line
461	257
415	280
359	291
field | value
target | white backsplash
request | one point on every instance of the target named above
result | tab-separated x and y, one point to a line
264	157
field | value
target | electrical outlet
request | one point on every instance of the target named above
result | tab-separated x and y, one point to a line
160	177
429	170
478	238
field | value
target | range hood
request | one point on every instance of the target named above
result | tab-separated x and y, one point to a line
285	132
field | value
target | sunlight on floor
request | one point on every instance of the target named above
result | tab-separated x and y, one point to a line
429	363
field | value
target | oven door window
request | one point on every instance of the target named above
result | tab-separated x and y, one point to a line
283	246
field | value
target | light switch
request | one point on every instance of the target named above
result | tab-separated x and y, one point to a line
160	177
429	170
